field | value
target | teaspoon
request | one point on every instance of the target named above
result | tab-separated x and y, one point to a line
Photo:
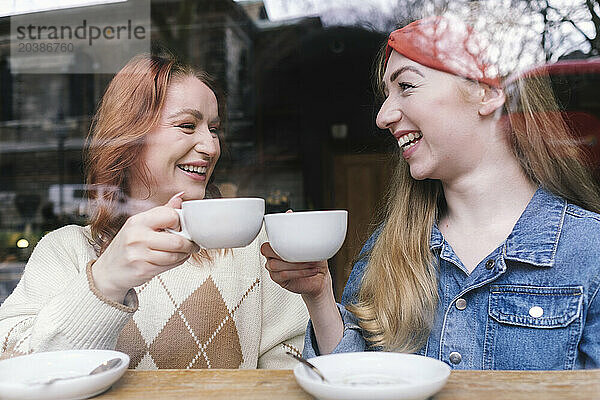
309	365
105	366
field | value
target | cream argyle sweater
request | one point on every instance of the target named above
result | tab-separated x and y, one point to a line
228	314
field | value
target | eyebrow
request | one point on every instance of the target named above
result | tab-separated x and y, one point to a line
399	71
195	113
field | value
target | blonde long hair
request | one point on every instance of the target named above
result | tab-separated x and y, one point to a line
398	296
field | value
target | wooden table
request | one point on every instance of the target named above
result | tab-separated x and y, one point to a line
280	384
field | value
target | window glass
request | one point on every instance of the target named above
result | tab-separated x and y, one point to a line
298	100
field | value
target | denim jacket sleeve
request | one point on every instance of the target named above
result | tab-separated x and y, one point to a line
590	341
352	339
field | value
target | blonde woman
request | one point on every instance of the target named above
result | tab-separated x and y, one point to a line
488	255
123	282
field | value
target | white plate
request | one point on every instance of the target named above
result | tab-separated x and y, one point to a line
406	376
16	374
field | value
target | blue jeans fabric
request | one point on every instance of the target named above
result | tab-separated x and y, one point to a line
532	304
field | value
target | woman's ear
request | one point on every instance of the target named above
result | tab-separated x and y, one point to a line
491	100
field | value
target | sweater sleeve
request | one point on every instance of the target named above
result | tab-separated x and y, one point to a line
55	305
284	320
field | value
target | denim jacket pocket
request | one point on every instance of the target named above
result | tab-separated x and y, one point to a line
532	327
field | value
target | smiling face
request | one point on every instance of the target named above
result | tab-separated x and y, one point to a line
431	118
181	152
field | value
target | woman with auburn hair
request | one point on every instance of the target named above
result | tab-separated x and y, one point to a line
124	282
487	257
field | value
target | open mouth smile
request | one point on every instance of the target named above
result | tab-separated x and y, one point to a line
409	140
193	170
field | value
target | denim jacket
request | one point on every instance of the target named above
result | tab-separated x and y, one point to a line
532	304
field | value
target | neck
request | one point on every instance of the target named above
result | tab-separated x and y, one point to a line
489	196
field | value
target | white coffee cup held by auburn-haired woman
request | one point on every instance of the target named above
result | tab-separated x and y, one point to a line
221	223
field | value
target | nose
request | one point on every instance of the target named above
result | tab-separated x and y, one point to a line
388	115
207	143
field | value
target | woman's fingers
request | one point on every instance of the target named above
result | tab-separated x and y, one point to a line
157	218
268	251
141	250
166	259
283	271
270	254
278	265
165	241
175	201
303	278
288	275
162	217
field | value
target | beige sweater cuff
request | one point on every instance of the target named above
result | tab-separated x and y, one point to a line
130	303
80	318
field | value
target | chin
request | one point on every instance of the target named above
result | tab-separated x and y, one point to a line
424	170
194	197
196	194
418	175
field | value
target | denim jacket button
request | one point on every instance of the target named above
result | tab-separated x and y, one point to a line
489	264
536	311
455	357
461	304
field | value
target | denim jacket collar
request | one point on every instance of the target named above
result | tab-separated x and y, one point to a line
533	240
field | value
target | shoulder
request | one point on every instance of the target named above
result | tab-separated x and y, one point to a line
70	239
371	240
363	257
67	235
580	221
582	214
66	249
579	238
581	233
70	232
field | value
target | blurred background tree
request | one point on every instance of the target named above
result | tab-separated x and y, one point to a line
531	31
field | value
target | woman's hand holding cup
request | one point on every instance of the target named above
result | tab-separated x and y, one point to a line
295	241
299	245
141	250
310	279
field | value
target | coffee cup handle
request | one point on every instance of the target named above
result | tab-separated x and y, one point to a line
184	232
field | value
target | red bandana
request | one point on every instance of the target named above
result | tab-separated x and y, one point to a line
446	45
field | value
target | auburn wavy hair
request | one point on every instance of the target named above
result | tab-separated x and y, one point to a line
130	108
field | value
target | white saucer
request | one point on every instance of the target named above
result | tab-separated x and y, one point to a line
373	376
18	374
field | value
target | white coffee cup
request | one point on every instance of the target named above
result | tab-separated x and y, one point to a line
221	223
308	235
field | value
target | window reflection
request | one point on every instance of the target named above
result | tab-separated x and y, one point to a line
300	111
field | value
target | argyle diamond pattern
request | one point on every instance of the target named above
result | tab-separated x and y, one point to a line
200	332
